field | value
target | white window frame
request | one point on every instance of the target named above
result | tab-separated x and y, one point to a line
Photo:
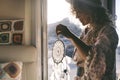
39	20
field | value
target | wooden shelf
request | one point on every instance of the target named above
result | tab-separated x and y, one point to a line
18	53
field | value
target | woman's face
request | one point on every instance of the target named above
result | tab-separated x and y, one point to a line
83	17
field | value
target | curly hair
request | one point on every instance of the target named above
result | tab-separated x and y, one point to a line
99	15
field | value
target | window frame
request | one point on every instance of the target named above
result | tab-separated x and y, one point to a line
39	36
44	49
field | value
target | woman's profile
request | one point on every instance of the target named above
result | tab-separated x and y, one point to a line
96	47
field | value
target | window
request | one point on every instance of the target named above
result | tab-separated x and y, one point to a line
54	17
59	13
118	31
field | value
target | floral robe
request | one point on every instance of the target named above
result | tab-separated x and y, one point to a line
100	62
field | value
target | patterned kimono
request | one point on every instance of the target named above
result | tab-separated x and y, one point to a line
100	63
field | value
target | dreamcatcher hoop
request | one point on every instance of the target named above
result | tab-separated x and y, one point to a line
58	51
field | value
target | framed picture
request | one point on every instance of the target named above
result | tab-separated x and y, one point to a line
11	31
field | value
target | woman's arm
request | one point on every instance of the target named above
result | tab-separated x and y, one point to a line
80	45
82	48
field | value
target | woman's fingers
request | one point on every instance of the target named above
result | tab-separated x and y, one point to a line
58	29
61	29
76	78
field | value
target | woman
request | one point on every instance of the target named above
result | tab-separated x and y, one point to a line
95	50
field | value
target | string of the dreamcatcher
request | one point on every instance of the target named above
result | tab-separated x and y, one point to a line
56	64
62	67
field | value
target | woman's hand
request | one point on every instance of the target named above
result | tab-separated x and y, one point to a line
77	78
80	45
61	29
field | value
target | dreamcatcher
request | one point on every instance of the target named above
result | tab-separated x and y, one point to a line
58	55
58	51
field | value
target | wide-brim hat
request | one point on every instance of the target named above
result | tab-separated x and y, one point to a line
85	5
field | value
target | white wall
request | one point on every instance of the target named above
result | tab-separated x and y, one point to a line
31	11
12	9
15	9
28	22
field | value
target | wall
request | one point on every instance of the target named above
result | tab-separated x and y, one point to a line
12	9
28	22
15	9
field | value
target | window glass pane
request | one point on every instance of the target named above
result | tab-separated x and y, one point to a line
118	31
59	12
